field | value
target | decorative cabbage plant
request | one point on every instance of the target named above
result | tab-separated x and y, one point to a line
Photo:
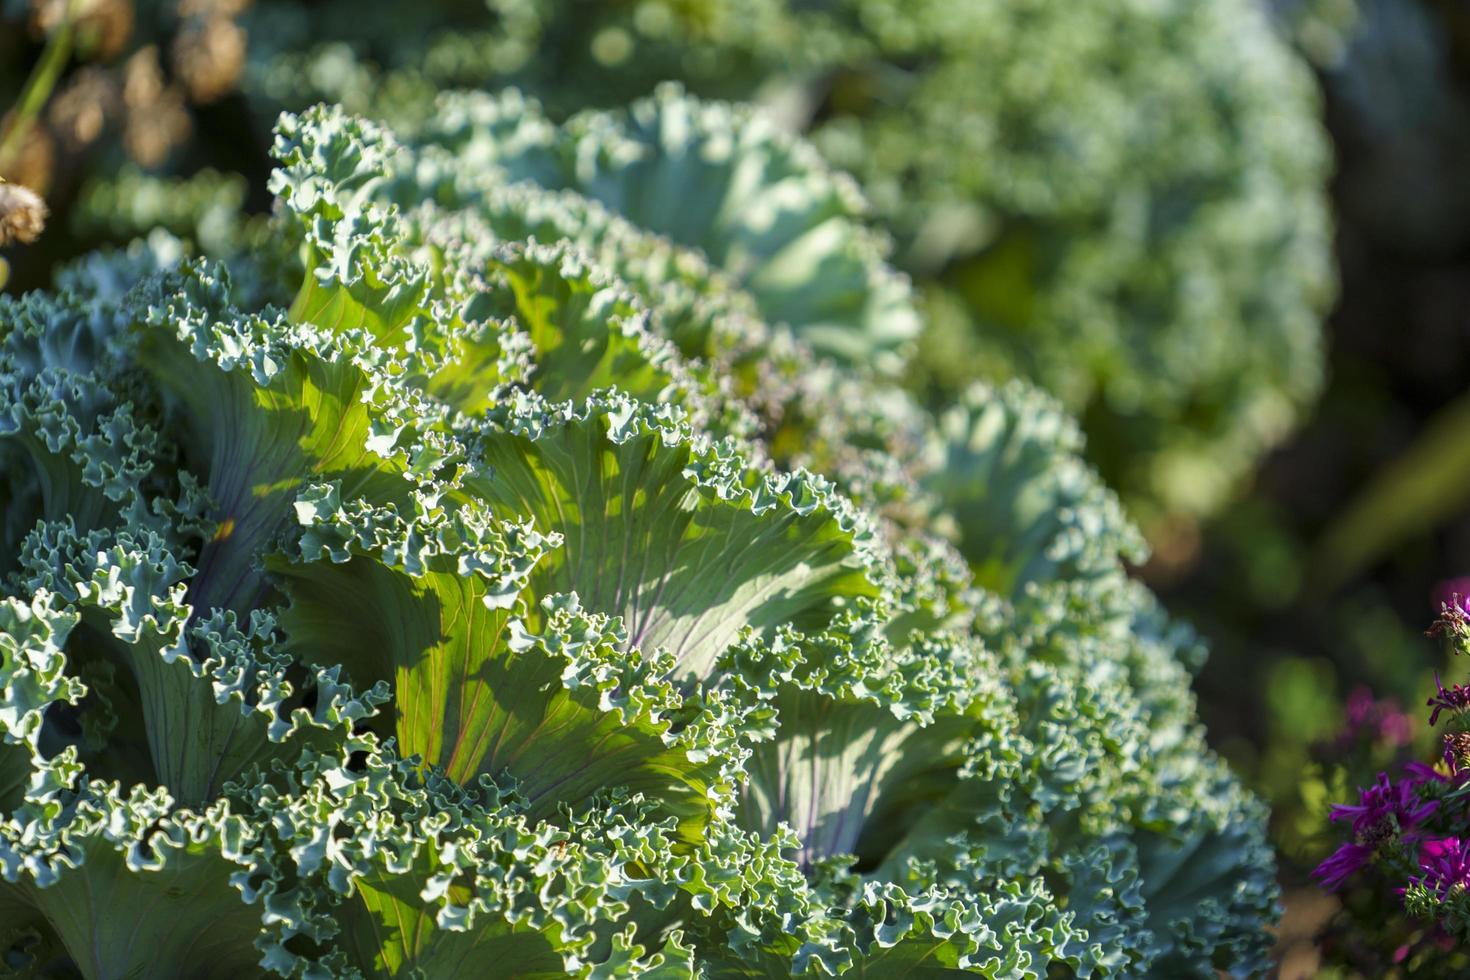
490	572
1121	201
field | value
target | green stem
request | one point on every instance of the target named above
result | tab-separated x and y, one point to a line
38	87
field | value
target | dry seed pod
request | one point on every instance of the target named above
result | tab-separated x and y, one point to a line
80	111
212	8
156	118
208	55
22	214
47	14
33	161
143	80
103	27
105	32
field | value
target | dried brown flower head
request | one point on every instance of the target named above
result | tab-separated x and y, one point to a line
208	55
47	14
82	109
1457	745
143	79
103	27
105	33
32	161
22	214
156	118
212	8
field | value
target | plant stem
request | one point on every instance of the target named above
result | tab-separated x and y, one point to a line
38	87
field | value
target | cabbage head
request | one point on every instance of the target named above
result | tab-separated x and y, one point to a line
490	569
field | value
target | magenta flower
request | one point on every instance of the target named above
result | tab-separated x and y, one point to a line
1385	808
1423	772
1341	865
1384	811
1445	864
1452	598
1453	592
1394	726
1455	698
1359	707
1380	720
1452	770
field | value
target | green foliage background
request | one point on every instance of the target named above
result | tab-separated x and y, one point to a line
1121	201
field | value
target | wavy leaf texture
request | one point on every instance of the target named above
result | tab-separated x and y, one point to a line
531	589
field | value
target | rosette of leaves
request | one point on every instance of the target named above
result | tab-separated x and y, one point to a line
1123	202
756	205
420	593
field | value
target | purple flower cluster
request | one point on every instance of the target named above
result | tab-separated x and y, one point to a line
1414	829
1453	593
1444	865
1452	601
1454	699
1385	805
1385	812
1342	864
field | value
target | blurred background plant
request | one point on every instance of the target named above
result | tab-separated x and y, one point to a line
1320	29
118	92
1324	576
1122	200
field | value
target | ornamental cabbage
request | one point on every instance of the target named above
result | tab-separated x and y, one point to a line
490	570
1122	201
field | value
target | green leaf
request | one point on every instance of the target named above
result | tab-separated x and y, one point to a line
215	700
282	405
668	532
435	607
760	205
132	885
